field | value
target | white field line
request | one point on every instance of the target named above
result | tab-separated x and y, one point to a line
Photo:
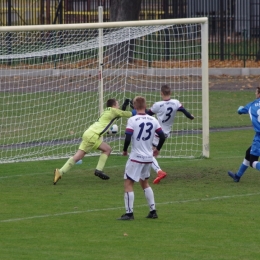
143	205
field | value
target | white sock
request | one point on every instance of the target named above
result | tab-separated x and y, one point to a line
148	192
155	165
129	202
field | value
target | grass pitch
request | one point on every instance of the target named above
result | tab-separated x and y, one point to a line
203	214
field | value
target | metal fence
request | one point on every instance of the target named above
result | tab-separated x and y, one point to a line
234	25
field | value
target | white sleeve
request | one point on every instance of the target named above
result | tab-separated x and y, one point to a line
155	108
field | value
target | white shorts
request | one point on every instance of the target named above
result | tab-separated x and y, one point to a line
137	171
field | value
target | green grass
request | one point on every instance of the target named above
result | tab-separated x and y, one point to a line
203	214
223	107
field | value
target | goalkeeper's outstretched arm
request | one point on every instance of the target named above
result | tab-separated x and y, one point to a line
125	104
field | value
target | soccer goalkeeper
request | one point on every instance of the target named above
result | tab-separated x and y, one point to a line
91	139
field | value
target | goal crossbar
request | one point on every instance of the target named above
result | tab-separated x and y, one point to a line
78	26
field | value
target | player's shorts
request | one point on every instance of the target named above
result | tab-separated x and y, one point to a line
137	171
90	141
255	148
156	139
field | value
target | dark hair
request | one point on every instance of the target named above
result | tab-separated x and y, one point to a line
166	90
258	90
139	102
111	102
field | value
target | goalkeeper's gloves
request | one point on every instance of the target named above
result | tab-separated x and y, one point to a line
239	110
126	103
131	104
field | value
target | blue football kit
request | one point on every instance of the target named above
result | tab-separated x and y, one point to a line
253	109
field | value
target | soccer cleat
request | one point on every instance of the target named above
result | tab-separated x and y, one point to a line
126	217
152	215
160	175
101	175
234	176
57	176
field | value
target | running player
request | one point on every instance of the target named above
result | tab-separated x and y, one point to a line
253	152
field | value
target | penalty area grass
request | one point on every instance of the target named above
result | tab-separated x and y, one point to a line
203	214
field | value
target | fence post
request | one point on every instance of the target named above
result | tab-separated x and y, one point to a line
221	30
9	23
245	41
9	12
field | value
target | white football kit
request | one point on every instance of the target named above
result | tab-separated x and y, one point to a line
165	111
142	127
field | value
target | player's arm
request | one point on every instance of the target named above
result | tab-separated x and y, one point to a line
186	113
127	143
242	110
149	112
162	138
121	113
125	104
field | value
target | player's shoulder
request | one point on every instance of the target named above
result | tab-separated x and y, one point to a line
174	100
158	104
151	119
253	104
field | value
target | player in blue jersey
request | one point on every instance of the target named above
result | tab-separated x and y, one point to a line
140	131
253	152
91	139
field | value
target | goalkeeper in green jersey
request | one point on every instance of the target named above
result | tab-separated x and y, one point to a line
91	139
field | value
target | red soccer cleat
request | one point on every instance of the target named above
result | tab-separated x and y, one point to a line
160	175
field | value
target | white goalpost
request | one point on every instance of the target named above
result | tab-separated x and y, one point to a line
55	80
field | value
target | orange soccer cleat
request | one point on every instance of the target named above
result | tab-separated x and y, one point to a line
160	175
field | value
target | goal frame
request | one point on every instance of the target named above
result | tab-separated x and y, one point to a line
204	53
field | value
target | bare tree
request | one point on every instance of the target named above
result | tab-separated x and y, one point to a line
125	10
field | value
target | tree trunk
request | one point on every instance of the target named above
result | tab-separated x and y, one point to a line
123	10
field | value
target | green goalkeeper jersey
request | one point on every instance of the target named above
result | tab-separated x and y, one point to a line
107	118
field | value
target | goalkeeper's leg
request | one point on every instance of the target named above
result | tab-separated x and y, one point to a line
68	165
106	150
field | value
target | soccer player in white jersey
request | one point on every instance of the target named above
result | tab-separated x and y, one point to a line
91	139
140	130
165	112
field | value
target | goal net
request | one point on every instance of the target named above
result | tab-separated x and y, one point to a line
55	80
